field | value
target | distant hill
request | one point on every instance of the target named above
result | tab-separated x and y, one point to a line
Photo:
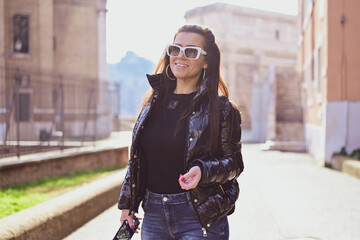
131	72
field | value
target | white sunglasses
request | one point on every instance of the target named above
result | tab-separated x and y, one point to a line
191	52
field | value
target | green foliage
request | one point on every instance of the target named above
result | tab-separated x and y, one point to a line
343	151
356	154
16	200
21	196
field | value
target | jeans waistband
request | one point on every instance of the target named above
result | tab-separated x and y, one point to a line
176	198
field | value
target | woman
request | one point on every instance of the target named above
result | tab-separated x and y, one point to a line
186	151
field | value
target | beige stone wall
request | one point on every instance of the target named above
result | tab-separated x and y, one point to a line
251	41
312	50
60	164
343	51
288	96
46	33
289	111
24	61
331	89
75	28
2	70
66	38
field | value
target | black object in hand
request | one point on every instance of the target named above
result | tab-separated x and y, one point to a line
125	232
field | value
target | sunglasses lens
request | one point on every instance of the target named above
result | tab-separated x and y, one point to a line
191	53
173	50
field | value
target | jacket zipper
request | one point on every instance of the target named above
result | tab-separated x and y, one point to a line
204	232
139	187
203	229
186	142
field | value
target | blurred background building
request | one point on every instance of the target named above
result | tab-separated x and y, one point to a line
53	70
259	64
294	78
328	64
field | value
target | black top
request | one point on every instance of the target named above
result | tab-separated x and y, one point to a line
163	150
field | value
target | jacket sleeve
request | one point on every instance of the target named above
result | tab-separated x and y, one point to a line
124	198
228	164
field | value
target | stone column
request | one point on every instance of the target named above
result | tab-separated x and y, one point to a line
101	40
232	79
104	114
2	70
2	49
270	104
46	33
257	109
260	99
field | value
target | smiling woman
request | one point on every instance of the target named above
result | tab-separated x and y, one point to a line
186	151
187	63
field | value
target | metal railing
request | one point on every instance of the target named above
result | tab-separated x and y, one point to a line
40	110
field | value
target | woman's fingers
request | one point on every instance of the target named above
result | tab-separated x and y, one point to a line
191	179
131	222
124	215
188	184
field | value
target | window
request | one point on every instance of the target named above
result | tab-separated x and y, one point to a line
277	35
308	81
318	52
312	68
319	70
21	34
23	114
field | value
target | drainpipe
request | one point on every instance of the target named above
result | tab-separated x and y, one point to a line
346	122
344	75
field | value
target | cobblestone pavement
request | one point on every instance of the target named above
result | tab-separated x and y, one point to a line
283	196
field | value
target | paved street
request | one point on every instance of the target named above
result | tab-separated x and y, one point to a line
283	196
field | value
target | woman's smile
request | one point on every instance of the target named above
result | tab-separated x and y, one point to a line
180	65
188	71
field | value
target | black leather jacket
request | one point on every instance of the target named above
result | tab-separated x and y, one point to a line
218	189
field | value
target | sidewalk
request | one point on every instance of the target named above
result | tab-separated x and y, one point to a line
283	196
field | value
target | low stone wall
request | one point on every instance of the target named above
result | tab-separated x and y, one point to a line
346	165
352	167
58	163
58	217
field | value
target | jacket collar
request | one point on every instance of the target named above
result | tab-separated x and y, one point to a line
156	82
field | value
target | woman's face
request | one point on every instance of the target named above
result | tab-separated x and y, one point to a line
183	68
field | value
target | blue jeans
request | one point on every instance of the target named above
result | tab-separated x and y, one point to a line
172	216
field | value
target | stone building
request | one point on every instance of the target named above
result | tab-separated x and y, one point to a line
328	65
258	63
53	71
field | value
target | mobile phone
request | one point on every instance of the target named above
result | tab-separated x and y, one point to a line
125	232
136	225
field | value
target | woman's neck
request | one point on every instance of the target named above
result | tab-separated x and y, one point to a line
185	87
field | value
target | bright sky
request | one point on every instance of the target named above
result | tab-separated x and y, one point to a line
146	26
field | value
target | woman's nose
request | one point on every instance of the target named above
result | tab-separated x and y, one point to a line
181	54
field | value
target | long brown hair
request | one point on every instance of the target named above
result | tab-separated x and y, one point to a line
215	81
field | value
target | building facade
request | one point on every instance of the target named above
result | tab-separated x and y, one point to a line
53	71
328	65
259	65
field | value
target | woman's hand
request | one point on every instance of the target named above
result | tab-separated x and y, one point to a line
191	179
125	216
